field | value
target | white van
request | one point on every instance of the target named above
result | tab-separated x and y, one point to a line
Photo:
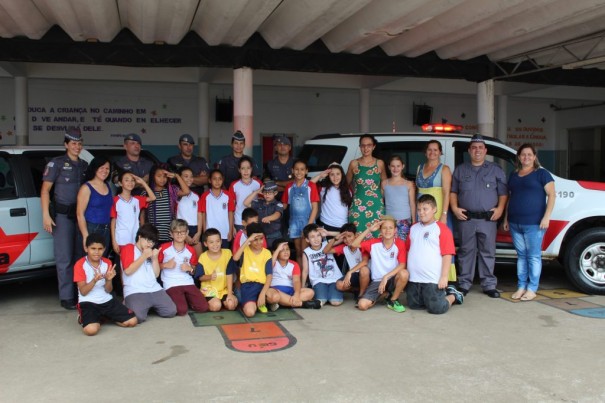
576	236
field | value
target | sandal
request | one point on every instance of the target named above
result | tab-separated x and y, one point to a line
528	296
518	294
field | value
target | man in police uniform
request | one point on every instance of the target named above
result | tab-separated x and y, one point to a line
478	198
198	165
66	174
229	164
279	169
132	161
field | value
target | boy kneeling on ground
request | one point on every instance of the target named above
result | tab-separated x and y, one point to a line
93	274
430	249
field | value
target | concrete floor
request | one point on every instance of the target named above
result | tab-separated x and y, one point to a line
483	351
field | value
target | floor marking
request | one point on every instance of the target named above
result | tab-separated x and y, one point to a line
262	333
257	337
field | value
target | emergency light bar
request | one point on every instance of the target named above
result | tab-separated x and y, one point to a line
441	128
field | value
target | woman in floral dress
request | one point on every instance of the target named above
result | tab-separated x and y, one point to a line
365	174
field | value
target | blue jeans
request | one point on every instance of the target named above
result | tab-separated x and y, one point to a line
327	292
528	243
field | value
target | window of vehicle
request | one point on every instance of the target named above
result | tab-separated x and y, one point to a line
7	181
319	156
411	152
504	158
37	162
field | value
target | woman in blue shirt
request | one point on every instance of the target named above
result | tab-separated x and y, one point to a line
532	199
94	202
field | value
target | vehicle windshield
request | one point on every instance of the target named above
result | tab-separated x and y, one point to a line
319	156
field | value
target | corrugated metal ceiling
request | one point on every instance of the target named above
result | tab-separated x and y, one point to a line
515	36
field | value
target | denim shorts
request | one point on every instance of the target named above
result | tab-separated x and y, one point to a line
296	227
327	292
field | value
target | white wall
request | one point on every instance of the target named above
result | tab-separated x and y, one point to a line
302	111
108	110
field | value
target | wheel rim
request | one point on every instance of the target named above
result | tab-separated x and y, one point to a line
592	263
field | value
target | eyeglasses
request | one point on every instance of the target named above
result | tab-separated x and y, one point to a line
179	232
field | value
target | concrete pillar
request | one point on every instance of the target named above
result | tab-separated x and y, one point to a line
21	114
243	118
203	135
364	110
502	133
485	107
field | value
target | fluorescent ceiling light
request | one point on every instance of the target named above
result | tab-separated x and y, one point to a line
583	63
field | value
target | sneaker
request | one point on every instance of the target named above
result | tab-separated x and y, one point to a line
262	309
274	307
458	295
312	304
395	306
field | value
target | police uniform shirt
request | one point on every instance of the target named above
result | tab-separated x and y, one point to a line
140	168
278	171
197	164
478	187
229	166
67	177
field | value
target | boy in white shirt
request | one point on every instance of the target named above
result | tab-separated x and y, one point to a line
93	275
178	261
388	254
140	271
357	275
321	268
431	246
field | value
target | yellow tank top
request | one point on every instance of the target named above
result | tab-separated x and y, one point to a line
216	288
253	266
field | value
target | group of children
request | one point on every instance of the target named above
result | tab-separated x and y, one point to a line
250	275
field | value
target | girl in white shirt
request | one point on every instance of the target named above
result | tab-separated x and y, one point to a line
335	197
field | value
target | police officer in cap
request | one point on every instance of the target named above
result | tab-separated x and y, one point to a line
198	165
477	199
229	164
133	161
65	174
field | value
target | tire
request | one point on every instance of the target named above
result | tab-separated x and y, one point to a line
585	261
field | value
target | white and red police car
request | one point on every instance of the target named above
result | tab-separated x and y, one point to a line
576	235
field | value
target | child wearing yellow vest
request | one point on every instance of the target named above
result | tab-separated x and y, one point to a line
255	273
215	271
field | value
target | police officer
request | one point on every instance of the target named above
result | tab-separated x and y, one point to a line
66	175
478	198
198	165
229	164
132	161
279	169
